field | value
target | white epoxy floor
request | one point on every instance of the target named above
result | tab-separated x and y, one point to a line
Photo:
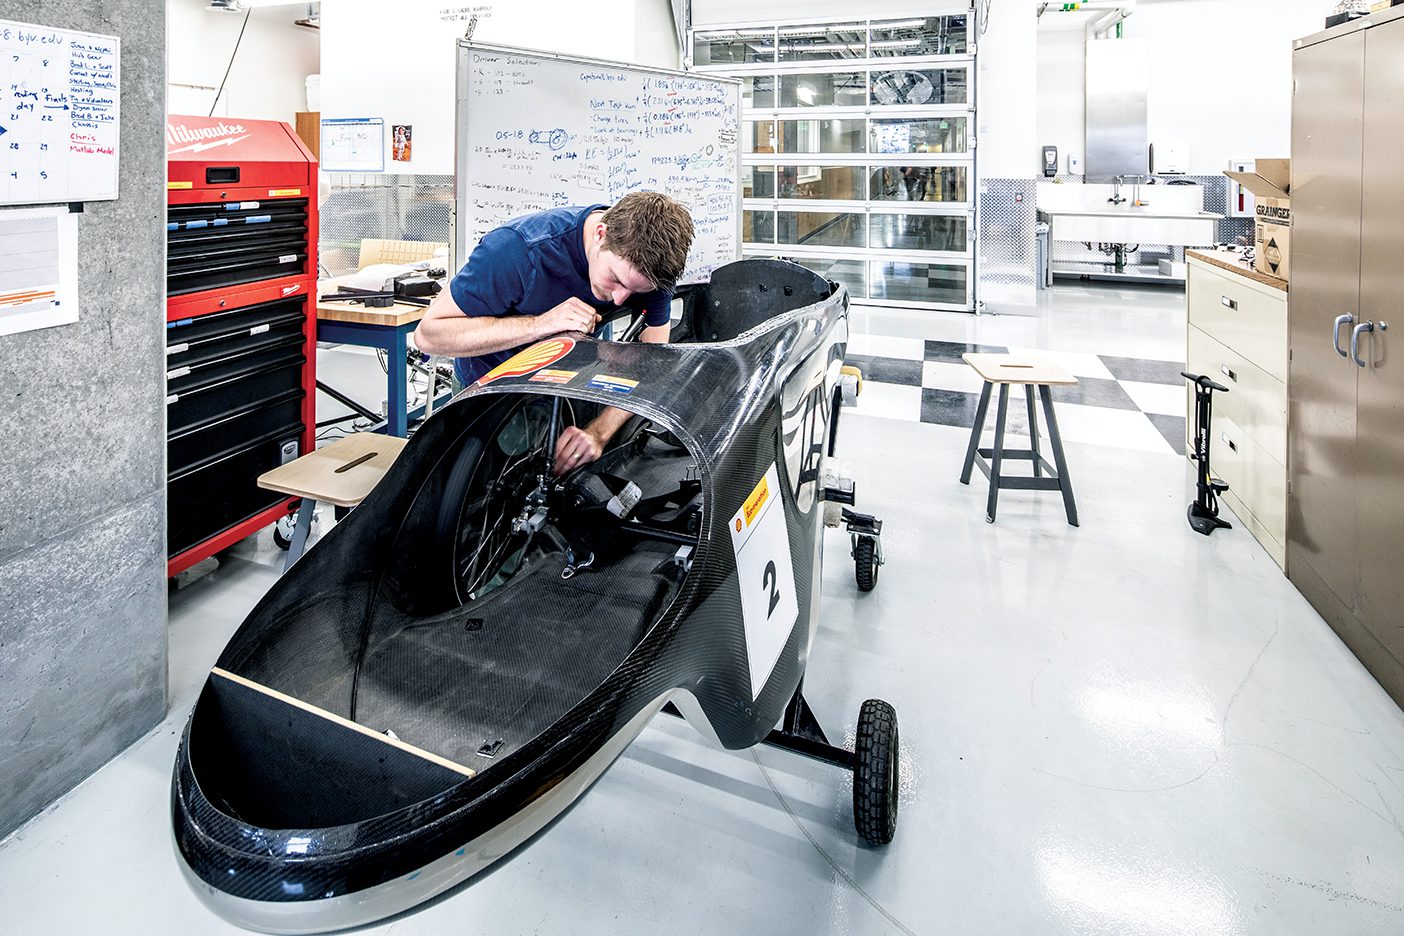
1124	728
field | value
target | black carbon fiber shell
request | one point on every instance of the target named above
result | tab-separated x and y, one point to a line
742	399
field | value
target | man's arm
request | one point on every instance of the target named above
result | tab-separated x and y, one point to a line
577	446
448	330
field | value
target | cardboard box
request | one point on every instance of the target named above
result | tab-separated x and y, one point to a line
1271	185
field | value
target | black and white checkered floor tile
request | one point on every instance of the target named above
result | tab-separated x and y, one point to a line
1134	403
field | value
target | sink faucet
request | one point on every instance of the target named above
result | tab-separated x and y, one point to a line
1117	198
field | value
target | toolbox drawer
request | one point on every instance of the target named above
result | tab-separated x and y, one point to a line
226	243
198	333
206	501
213	401
213	439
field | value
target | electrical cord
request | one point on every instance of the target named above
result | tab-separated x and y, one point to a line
237	42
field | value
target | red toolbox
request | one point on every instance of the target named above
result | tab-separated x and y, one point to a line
241	325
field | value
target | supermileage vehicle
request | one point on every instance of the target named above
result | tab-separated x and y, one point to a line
462	656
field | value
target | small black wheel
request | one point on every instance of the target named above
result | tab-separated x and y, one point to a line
875	773
281	541
865	562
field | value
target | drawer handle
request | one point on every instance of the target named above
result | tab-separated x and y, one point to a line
1233	446
1228	373
1229	303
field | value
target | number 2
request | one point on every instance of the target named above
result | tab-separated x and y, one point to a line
768	582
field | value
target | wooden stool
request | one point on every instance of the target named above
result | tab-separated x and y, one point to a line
342	473
1006	369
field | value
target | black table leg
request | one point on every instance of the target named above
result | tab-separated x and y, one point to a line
979	427
1033	429
1064	483
997	453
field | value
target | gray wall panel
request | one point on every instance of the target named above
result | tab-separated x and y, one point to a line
82	653
82	466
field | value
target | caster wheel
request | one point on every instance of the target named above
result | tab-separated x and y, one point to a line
283	531
865	562
875	773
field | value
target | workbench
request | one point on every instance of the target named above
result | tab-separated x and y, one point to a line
387	329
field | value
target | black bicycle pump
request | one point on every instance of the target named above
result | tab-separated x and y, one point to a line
1204	511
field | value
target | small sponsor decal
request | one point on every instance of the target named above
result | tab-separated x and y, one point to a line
613	384
172	186
276	192
288	258
553	376
529	360
756	501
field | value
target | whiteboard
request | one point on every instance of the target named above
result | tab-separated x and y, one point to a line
537	130
59	95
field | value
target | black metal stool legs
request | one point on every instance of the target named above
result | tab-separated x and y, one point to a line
974	446
1046	477
1058	460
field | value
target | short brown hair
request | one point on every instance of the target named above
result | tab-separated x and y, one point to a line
652	232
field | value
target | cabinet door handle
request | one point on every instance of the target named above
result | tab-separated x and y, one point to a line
1355	341
1224	368
1228	303
1347	319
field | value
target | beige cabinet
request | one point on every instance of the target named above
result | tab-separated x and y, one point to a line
1345	531
1237	335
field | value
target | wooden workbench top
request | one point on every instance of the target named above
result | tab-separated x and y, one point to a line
400	313
1230	260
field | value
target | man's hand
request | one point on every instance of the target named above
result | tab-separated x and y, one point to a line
576	447
572	315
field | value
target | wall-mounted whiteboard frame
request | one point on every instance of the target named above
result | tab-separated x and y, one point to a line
463	214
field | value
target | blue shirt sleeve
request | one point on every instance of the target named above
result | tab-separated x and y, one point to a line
495	278
658	308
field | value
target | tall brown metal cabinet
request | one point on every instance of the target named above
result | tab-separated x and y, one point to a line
1345	511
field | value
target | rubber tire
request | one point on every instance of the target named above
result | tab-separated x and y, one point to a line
875	774
865	563
280	541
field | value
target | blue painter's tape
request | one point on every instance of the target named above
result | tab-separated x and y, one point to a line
220	222
258	219
192	225
172	225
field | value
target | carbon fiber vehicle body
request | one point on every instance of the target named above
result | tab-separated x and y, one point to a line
398	712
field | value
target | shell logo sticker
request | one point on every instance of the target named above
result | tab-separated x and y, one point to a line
528	361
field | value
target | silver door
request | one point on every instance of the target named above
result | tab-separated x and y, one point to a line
1379	434
1327	109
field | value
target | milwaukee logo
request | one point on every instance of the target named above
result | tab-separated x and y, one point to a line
1275	214
203	138
289	290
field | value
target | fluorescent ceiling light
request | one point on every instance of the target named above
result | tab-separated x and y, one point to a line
823	29
900	24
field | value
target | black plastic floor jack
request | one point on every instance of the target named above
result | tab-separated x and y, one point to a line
1203	513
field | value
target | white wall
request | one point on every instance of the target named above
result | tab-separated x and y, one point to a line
397	60
655	36
1220	77
1062	94
1006	110
268	80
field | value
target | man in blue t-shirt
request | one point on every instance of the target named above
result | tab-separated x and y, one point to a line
556	271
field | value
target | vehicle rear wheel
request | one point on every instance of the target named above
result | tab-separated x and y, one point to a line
875	779
865	562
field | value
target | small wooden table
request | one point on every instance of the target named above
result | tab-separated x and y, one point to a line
342	473
1006	369
387	329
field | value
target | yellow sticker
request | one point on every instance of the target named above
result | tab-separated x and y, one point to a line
180	185
554	376
274	192
757	500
